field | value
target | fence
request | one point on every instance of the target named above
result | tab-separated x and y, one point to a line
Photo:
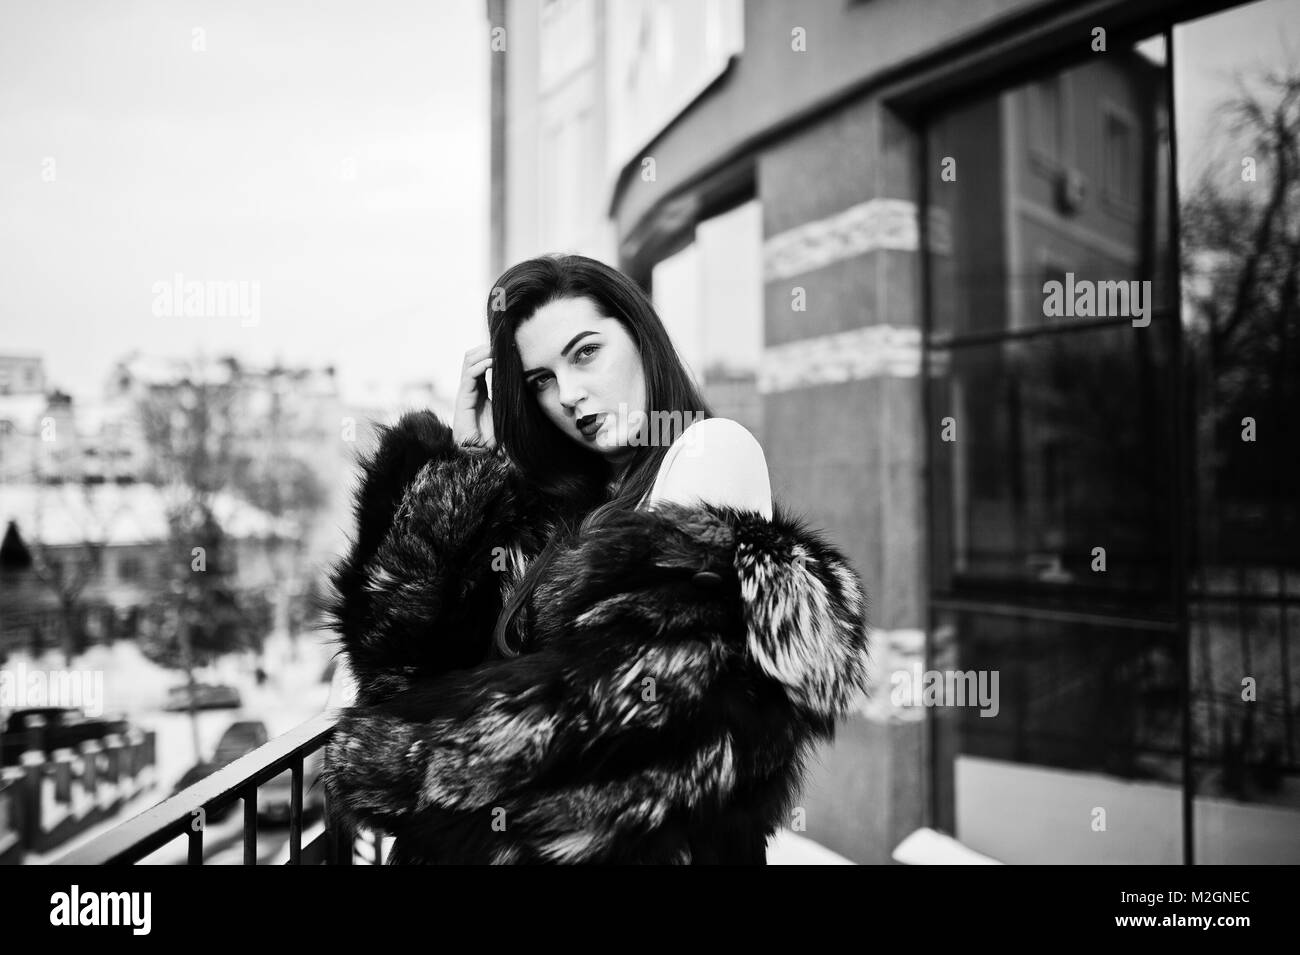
48	799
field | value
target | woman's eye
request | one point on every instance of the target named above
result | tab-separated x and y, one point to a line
581	356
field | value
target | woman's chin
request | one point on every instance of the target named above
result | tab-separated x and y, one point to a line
606	439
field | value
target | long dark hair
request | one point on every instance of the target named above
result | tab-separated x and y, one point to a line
575	478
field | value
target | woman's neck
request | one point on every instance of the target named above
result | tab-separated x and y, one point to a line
618	468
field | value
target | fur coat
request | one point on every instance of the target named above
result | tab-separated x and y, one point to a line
684	663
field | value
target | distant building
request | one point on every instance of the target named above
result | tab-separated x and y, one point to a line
37	440
21	457
97	546
22	375
55	448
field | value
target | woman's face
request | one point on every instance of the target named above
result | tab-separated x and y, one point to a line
584	370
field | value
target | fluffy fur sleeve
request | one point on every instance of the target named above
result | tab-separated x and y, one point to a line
410	596
687	659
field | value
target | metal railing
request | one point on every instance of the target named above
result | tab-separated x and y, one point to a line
186	813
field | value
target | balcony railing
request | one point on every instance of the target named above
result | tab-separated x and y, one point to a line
185	813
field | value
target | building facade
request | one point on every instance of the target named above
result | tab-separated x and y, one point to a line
1008	292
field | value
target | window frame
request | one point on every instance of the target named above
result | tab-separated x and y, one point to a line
938	348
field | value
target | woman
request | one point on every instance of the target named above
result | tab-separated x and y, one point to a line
579	630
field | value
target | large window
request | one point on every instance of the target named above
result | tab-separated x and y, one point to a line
710	298
1113	490
1237	88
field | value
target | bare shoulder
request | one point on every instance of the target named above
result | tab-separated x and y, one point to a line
716	460
721	434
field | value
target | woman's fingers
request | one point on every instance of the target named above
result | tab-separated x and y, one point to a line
473	404
472	372
476	354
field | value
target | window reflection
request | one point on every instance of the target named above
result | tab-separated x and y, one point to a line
1066	174
710	298
1057	480
1238	94
1087	716
1052	441
1066	430
1055	485
1073	695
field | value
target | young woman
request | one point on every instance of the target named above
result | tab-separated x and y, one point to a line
578	628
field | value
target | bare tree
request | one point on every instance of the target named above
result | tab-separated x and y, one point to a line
289	489
191	428
66	571
1241	264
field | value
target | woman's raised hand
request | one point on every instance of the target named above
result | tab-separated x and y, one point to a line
473	416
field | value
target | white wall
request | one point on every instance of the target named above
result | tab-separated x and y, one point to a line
1023	814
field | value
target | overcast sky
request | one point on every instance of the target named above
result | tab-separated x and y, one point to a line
1210	54
333	152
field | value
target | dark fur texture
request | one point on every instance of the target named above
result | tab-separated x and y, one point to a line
662	717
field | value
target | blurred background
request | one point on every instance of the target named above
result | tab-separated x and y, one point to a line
235	238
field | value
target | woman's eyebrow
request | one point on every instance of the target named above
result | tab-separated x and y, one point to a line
563	351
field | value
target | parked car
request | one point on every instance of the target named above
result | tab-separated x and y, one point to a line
239	739
273	797
207	696
65	726
198	772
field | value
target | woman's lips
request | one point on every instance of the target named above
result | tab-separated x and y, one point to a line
592	426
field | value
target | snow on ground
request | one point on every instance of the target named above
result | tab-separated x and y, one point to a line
787	847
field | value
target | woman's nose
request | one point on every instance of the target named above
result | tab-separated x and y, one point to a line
571	392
